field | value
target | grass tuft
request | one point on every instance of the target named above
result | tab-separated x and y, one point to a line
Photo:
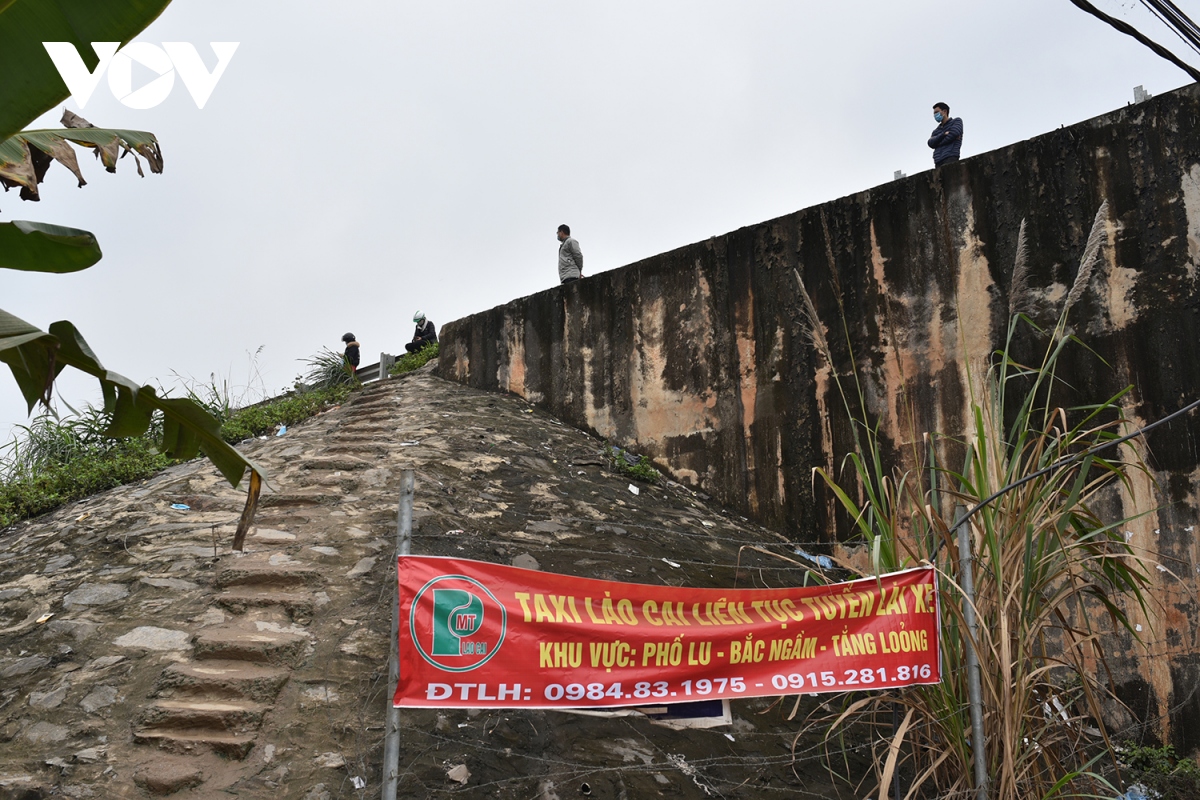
639	468
411	361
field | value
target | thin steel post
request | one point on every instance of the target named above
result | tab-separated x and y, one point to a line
966	579
391	740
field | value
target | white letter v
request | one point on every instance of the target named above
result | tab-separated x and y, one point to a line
80	83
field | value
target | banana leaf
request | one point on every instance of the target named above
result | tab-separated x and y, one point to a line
29	82
25	157
39	247
36	357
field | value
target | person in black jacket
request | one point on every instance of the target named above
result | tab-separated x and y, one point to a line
351	351
946	140
426	333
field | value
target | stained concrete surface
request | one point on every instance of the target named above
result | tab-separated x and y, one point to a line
699	357
181	668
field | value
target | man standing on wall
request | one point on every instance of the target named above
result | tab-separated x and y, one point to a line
946	140
570	257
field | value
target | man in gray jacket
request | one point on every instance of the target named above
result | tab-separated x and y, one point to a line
570	257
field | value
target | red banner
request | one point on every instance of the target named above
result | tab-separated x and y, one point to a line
479	635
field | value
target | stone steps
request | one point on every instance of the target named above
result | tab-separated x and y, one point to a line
233	716
343	463
363	449
293	499
189	741
246	642
217	702
299	605
349	440
262	573
367	429
223	679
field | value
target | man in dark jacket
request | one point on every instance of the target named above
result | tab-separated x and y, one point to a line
426	333
946	140
351	351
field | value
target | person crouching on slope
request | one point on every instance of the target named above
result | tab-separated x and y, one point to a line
426	333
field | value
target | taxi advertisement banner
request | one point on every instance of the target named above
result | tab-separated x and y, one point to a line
479	635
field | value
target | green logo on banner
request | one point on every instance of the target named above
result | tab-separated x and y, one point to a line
457	615
456	623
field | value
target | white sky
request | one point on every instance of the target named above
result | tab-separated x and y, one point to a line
359	160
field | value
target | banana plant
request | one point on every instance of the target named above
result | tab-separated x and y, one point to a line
29	86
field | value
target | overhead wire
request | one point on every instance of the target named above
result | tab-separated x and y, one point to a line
1174	18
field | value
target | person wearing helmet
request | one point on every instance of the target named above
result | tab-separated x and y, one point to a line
426	333
351	351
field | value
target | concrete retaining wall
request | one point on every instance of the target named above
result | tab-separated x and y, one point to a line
698	357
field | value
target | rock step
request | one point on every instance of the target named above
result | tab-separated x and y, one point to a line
238	599
224	679
292	499
188	741
377	430
367	448
242	643
336	463
370	398
194	714
350	439
248	572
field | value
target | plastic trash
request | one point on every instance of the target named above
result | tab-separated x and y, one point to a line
181	507
358	782
282	430
1135	792
824	562
634	490
670	563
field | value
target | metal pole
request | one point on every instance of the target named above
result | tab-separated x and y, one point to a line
391	739
967	581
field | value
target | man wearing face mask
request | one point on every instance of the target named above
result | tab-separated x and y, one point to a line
946	140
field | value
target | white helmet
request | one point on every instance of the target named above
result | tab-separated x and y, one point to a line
418	317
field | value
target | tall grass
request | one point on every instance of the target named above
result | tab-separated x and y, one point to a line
327	369
55	460
1053	577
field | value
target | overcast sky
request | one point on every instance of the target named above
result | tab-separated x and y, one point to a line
360	160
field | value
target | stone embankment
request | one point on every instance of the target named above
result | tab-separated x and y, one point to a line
140	657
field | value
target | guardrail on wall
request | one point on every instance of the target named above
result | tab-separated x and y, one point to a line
373	372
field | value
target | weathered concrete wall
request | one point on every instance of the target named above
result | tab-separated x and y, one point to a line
698	357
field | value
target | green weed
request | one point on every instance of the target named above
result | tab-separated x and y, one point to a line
1161	771
410	361
288	410
639	468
